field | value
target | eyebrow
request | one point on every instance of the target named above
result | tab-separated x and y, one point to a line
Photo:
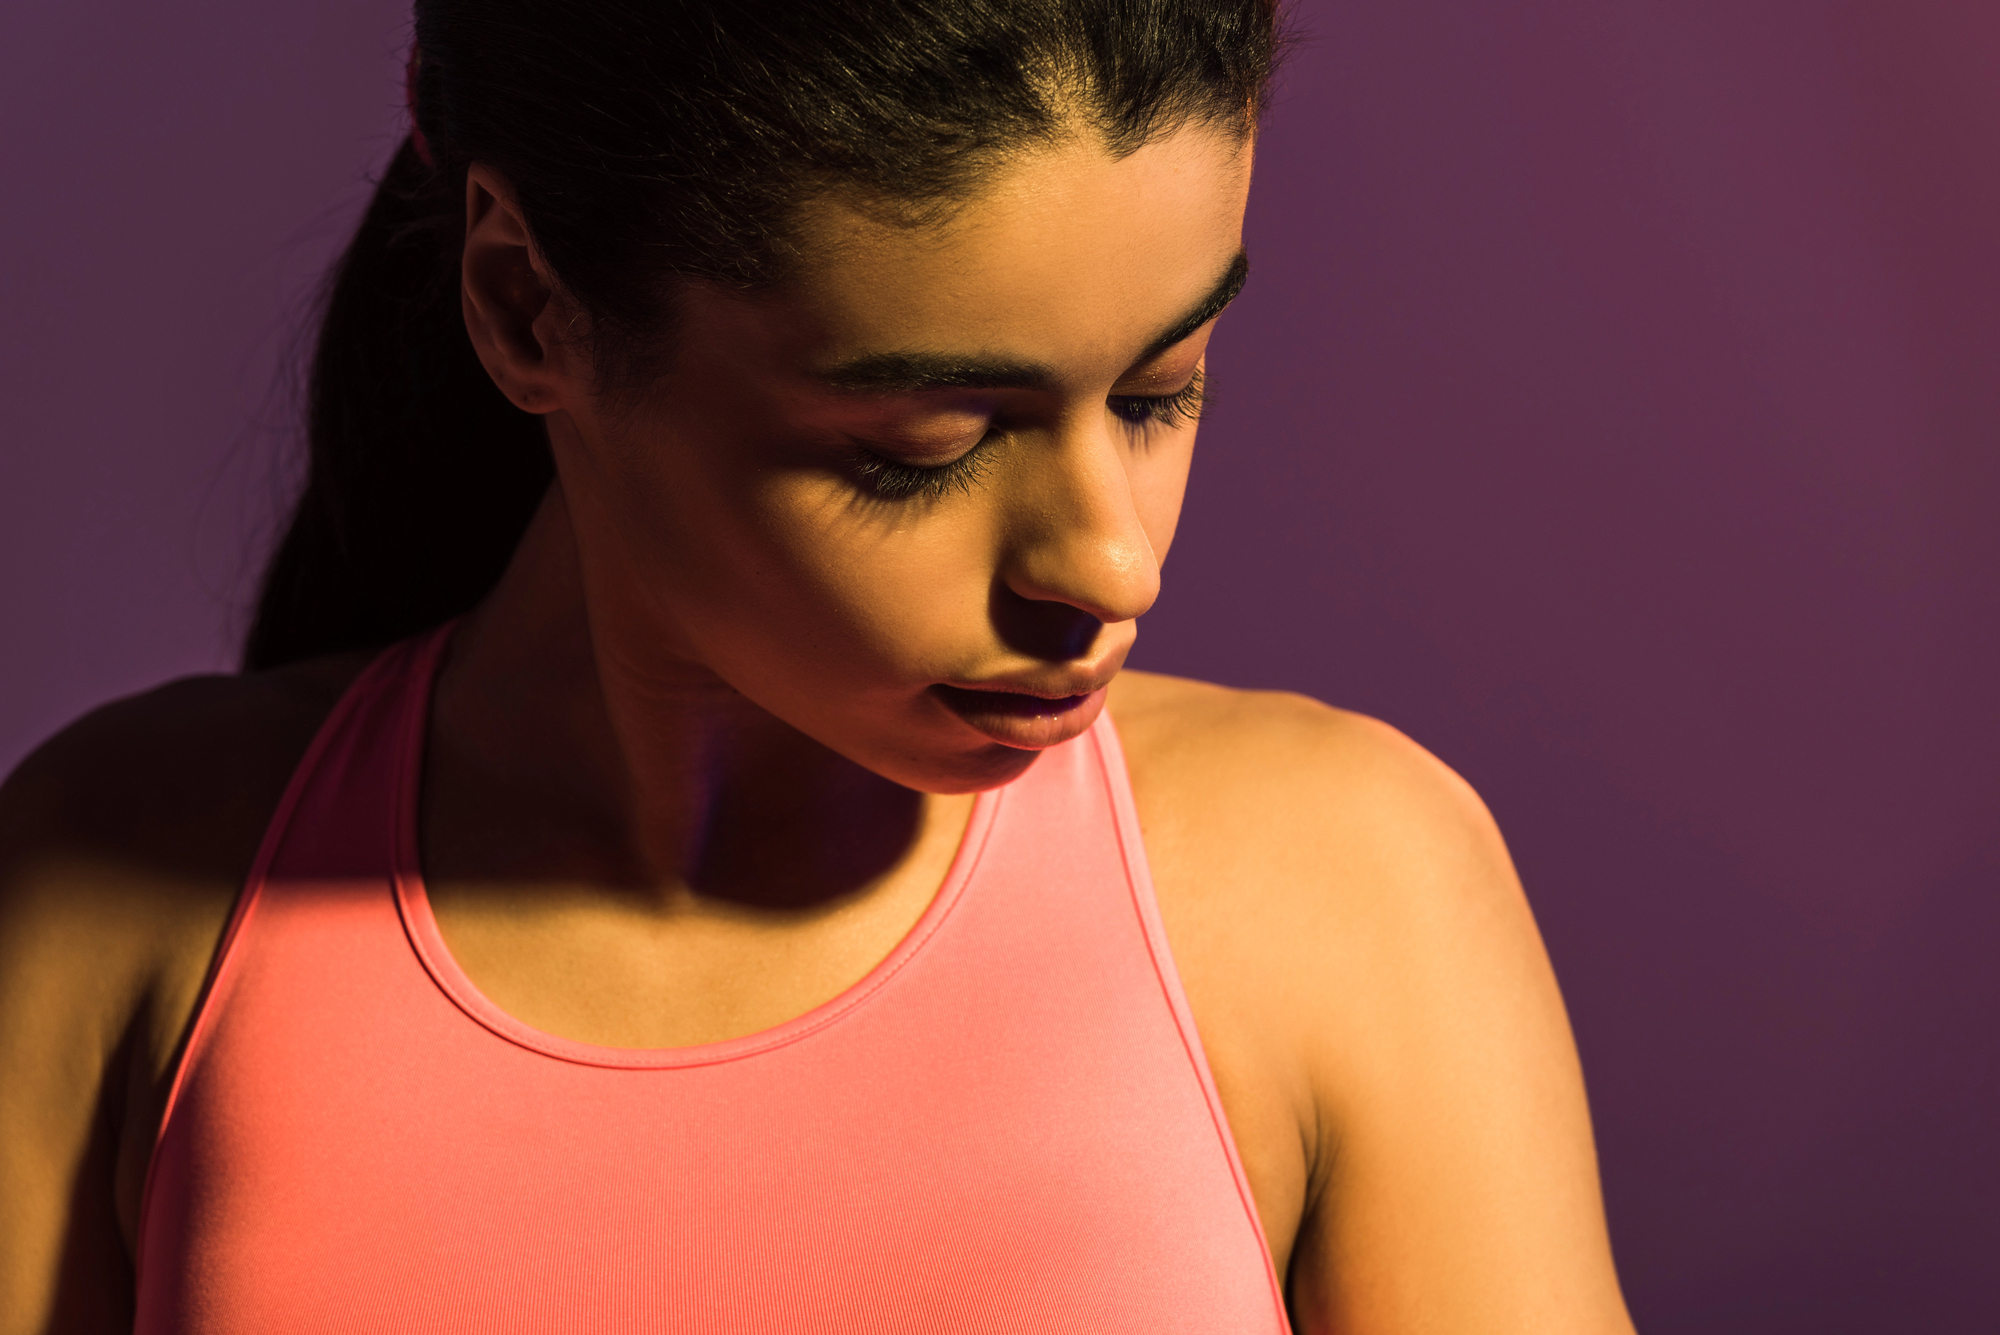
909	372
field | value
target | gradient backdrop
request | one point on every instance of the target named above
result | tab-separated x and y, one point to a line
1613	409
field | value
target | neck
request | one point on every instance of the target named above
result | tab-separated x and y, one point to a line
555	757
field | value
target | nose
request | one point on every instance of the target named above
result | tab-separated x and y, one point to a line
1075	537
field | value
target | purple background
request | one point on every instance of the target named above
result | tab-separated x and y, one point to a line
1614	410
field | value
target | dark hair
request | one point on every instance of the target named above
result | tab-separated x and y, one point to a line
649	142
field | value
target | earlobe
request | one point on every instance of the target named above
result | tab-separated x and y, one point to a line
506	292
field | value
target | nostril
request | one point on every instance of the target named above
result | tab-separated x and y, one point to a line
1053	632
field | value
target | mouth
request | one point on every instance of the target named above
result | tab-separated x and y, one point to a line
1020	719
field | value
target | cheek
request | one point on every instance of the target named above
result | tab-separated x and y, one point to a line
773	574
1159	485
897	593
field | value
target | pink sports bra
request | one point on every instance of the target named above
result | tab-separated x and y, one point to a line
1007	1125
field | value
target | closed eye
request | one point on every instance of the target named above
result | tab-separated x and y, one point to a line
893	480
1181	408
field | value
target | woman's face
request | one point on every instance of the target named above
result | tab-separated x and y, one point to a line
913	503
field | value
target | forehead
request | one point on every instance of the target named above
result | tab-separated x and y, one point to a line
1065	256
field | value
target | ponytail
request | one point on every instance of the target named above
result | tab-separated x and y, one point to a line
422	476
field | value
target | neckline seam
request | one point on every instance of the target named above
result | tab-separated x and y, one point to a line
427	942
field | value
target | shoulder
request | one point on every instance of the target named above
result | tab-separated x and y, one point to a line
159	782
123	839
1334	894
1299	844
1303	844
1320	872
1282	783
1354	940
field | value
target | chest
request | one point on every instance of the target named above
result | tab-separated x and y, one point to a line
593	976
611	979
1005	1112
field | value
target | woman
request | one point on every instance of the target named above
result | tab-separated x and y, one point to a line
683	853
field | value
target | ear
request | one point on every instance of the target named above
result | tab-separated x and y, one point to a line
515	311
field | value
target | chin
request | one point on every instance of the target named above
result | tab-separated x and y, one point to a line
976	769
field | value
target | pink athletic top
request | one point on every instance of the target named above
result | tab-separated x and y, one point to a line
1007	1126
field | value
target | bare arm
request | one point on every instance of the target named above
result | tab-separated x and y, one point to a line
68	998
1457	1185
1364	965
122	845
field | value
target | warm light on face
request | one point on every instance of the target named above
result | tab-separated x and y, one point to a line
943	458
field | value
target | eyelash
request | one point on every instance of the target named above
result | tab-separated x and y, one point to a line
1180	408
894	481
900	482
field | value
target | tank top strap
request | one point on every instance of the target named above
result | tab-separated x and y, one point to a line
1117	778
336	818
340	816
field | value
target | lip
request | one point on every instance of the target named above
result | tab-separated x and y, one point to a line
1021	718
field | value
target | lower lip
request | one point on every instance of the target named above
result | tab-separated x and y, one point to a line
1025	721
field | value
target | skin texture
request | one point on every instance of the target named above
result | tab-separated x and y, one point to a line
691	771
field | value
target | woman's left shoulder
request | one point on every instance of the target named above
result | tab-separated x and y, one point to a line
1321	808
1378	1011
1334	888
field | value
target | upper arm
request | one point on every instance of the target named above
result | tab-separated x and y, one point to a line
1456	1188
66	1006
1359	946
123	842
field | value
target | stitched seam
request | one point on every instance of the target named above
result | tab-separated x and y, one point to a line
1163	971
406	876
247	899
656	1059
